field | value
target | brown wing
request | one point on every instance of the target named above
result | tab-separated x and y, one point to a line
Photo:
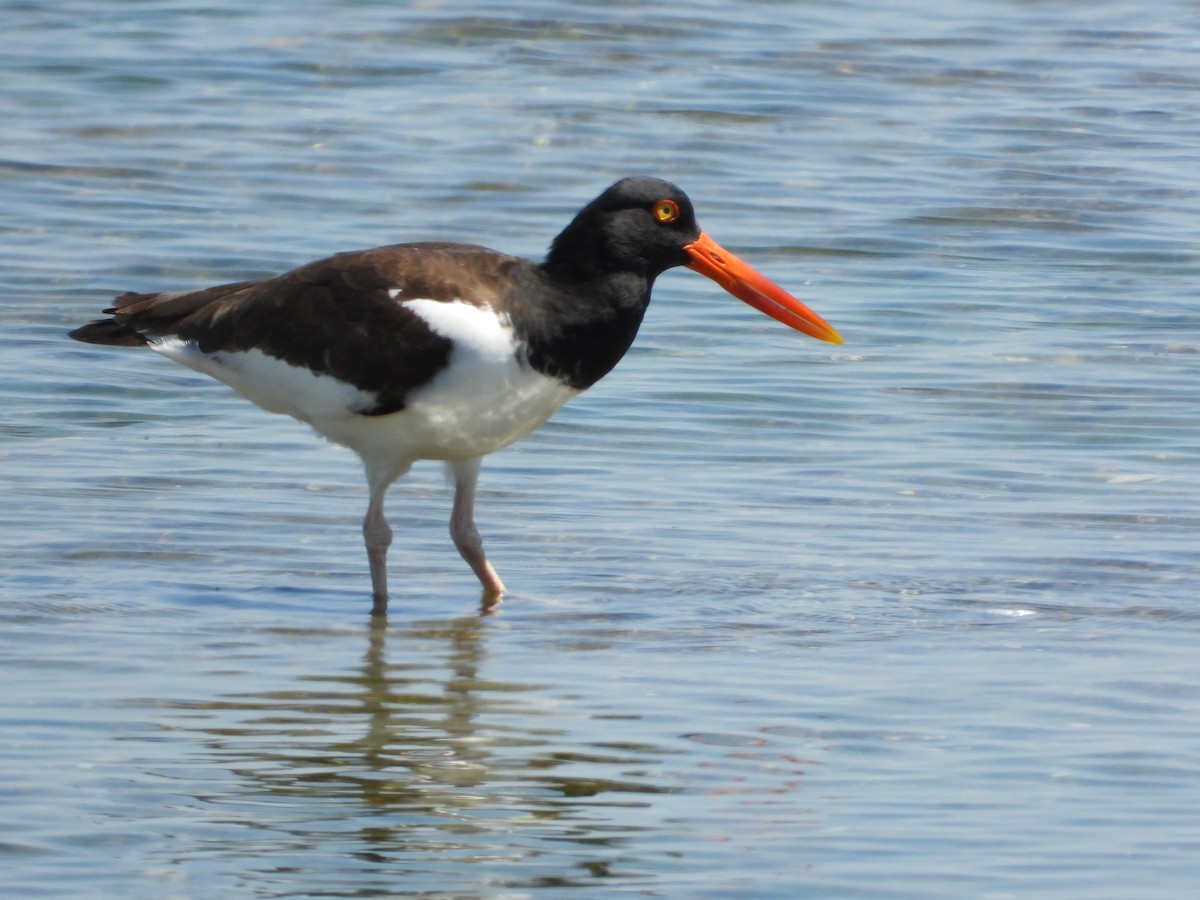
341	316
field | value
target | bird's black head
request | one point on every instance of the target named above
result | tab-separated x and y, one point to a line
639	226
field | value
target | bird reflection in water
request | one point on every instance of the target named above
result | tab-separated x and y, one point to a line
420	762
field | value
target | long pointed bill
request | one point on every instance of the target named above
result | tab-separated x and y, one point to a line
740	279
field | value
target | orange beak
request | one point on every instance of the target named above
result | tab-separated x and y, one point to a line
740	279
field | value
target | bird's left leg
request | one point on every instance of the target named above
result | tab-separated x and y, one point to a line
462	528
377	535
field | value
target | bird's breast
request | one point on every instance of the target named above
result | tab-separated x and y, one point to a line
488	395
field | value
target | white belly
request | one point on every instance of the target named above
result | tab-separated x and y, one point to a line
271	383
483	400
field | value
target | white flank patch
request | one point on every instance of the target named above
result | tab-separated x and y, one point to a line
485	398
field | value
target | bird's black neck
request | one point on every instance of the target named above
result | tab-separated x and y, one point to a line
577	330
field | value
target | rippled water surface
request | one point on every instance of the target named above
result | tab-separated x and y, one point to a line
914	616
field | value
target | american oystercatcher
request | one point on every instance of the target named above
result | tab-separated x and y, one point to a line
439	350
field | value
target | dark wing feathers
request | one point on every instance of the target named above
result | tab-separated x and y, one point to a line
135	317
334	316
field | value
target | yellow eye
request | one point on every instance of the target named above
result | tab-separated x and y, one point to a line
666	211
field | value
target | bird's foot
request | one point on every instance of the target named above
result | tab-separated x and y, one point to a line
490	601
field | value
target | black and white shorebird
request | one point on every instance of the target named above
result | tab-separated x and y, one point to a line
440	350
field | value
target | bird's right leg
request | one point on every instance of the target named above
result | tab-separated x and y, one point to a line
466	535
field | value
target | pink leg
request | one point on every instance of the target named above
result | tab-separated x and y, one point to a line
377	535
466	536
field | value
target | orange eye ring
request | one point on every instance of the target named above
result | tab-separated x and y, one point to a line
666	211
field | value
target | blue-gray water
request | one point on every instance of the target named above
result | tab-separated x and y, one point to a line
913	617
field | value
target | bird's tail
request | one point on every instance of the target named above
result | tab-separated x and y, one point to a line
136	318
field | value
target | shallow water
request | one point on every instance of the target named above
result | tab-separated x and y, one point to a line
914	616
